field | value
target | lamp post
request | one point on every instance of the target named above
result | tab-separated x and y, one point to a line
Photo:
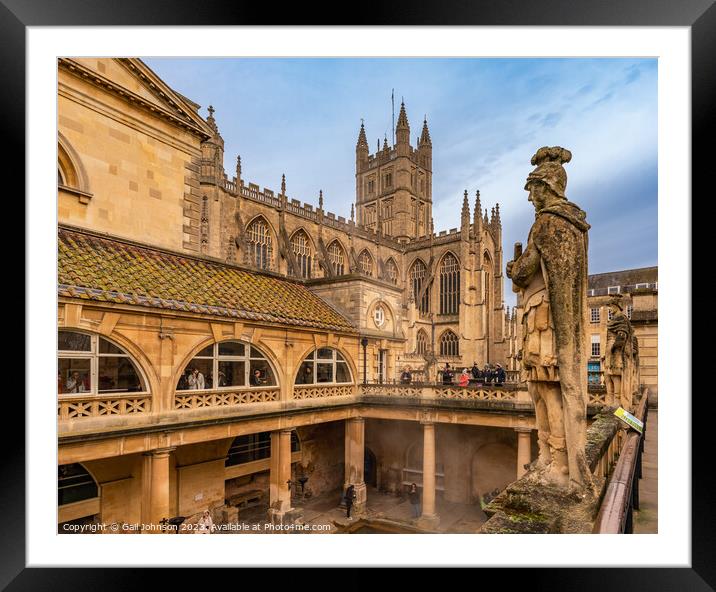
364	343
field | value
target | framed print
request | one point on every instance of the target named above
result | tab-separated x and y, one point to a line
303	283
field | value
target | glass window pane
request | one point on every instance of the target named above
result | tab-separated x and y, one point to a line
310	356
197	376
305	374
342	374
105	347
74	375
71	341
117	375
232	373
255	353
265	375
231	348
325	353
324	372
208	351
340	357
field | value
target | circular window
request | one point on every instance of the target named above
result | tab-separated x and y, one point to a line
379	316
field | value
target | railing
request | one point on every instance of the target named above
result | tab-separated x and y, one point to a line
415	390
78	406
622	494
318	391
192	399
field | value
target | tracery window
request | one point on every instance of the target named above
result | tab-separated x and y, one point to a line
228	364
260	244
391	271
418	275
324	365
421	343
94	365
365	262
301	246
337	257
449	344
449	285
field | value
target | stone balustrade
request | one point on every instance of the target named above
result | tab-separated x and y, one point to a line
79	406
193	399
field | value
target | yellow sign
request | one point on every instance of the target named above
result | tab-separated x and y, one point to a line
629	419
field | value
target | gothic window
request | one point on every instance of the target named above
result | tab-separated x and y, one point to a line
391	271
449	285
449	344
233	363
337	257
365	262
301	246
388	180
93	365
421	343
260	244
418	275
324	365
370	216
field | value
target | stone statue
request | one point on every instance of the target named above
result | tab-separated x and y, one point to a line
551	276
620	361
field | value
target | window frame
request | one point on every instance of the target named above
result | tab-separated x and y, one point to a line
312	356
94	355
595	312
217	358
596	340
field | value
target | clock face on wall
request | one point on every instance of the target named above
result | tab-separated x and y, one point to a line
379	316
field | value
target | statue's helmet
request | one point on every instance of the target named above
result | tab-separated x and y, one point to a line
550	171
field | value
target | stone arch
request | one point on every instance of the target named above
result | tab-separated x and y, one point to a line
392	271
388	308
70	167
298	360
493	466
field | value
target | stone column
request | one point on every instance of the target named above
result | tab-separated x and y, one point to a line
429	518
524	449
354	461
280	465
159	484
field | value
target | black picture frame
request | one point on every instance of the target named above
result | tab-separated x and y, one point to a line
699	15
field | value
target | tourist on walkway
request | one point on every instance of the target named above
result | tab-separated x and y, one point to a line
447	374
350	496
414	499
487	372
196	380
476	372
500	374
406	377
464	378
205	524
256	379
75	384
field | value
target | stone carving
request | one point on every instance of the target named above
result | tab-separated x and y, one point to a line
620	357
551	277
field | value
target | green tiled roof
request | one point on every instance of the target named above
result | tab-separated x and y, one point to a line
94	267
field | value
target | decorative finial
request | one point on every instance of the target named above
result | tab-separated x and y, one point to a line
238	166
320	199
283	184
211	111
352	213
210	120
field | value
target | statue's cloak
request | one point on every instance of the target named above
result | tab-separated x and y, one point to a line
559	234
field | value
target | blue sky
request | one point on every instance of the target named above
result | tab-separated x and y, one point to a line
486	117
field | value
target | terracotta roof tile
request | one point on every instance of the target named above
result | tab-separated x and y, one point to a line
110	270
